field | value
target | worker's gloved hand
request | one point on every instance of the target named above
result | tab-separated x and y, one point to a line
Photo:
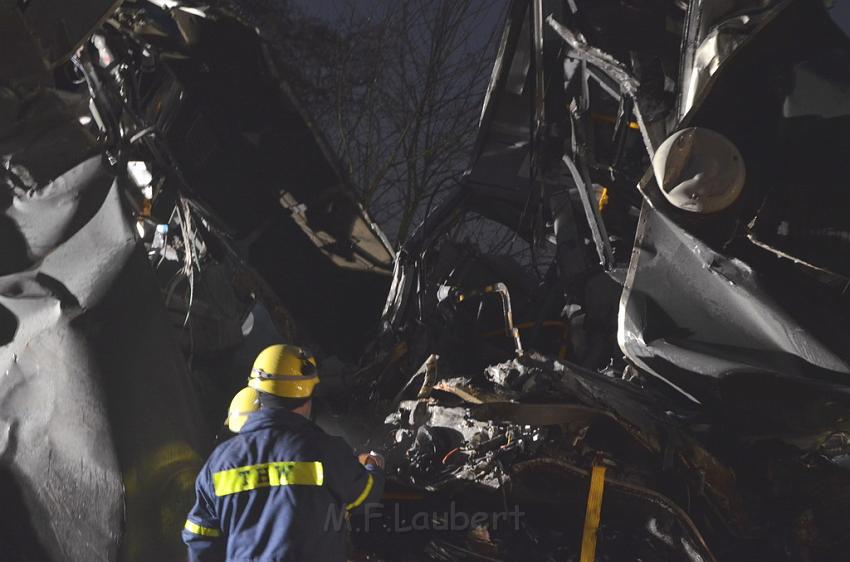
371	458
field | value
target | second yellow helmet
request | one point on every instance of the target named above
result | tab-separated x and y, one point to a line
246	402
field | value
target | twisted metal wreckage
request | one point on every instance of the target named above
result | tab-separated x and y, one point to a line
685	350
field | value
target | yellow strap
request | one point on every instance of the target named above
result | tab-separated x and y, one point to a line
593	514
363	495
203	531
283	473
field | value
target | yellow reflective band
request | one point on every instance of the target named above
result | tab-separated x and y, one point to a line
203	531
267	475
363	495
593	513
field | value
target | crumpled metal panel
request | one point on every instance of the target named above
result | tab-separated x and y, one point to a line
717	46
700	303
687	310
98	433
715	29
57	442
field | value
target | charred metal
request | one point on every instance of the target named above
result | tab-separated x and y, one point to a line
641	277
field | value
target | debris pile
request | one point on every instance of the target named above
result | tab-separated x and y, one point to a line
642	324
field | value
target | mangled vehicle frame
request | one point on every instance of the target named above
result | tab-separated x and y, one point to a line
167	211
621	336
669	304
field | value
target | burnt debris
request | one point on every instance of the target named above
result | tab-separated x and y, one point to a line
640	281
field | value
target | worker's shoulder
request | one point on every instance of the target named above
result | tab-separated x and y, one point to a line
226	451
280	442
240	447
250	447
307	438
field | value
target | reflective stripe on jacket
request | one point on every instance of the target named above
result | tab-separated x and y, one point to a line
277	492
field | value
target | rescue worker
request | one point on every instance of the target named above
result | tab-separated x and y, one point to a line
272	492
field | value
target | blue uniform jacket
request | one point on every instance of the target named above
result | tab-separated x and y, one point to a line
277	492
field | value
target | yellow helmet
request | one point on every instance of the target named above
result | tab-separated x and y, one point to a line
286	371
246	401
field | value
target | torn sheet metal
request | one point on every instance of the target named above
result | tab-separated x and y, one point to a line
714	31
233	142
726	389
503	164
687	308
100	441
700	304
716	47
580	50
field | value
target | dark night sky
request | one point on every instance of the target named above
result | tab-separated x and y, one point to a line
327	9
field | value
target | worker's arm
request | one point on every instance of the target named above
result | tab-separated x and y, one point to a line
353	484
202	531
